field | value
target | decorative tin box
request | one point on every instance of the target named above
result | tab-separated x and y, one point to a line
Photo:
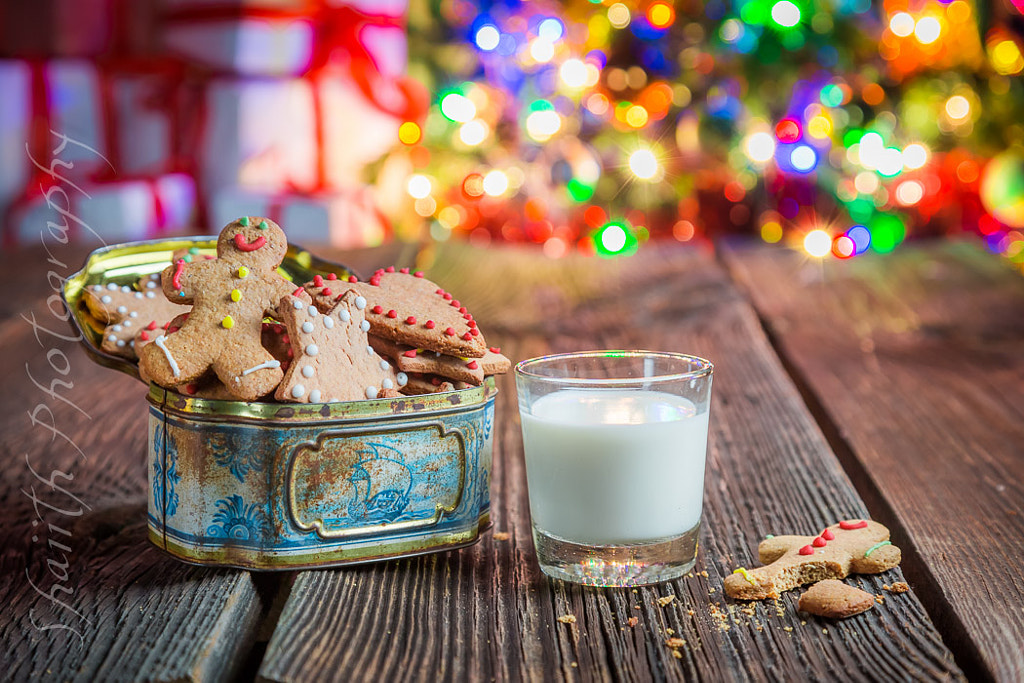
284	486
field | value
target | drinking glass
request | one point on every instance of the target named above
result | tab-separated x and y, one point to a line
615	445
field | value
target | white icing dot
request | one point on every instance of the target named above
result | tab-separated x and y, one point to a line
312	350
360	303
298	390
127	323
307	327
132	343
122	309
133	314
371	392
312	311
402	379
116	328
138	295
307	371
369	350
97	288
106	299
344	316
328	322
314	396
111	338
298	304
151	284
384	365
112	287
150	295
364	326
387	384
126	289
120	342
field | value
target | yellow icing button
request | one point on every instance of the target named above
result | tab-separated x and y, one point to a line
242	271
236	295
228	322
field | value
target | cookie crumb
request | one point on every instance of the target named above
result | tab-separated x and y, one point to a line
670	631
879	598
573	664
787	629
633	621
677	654
666	600
675	642
710	591
898	587
501	535
567	619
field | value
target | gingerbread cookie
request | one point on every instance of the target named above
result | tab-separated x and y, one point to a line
409	309
835	600
850	547
423	361
333	360
124	311
230	296
417	384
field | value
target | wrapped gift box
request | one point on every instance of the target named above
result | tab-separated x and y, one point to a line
343	218
142	103
110	212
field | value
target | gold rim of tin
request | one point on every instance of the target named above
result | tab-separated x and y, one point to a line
125	264
270	413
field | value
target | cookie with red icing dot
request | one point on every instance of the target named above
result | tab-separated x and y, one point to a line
424	361
407	308
853	546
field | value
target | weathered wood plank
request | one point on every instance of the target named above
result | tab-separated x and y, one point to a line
129	612
917	360
486	612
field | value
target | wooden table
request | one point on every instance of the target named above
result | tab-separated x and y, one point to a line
889	386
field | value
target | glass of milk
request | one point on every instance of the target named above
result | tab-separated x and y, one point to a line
615	444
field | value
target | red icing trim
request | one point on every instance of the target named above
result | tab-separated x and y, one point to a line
851	525
353	278
151	325
318	281
806	550
467	336
411	320
495	349
450	332
332	276
190	388
455	303
418	273
472	323
819	542
298	291
430	324
389	269
377	309
472	365
392	313
447	296
462	310
474	331
242	245
144	336
439	291
404	270
286	339
178	269
410	353
828	535
327	291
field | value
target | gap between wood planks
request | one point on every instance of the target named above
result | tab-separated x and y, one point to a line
919	575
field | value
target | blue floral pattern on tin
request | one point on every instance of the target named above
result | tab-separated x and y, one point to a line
165	502
234	519
232	453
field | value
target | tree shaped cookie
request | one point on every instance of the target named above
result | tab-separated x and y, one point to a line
332	358
410	309
126	311
230	295
853	546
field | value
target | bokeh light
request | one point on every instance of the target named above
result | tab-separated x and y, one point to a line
817	243
643	164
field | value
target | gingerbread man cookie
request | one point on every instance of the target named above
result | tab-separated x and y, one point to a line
853	546
230	295
333	360
126	310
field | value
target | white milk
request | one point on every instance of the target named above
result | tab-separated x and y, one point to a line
615	466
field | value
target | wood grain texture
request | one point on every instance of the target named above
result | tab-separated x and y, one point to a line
487	613
917	360
130	612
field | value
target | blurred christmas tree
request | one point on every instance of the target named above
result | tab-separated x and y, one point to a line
839	125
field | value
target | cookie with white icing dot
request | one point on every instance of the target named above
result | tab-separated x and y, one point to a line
333	360
126	310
